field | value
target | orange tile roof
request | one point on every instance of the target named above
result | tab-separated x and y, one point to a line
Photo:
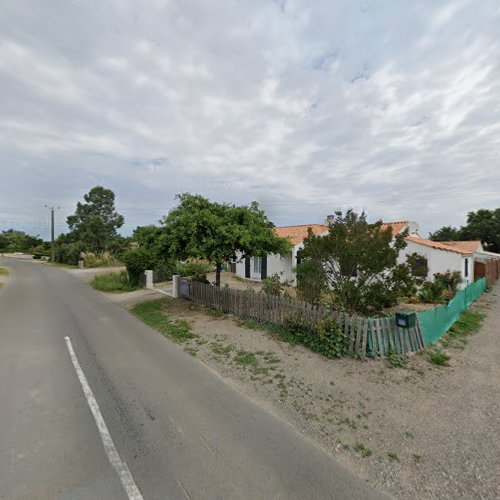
396	227
297	234
471	246
439	245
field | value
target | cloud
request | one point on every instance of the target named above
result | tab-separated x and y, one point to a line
307	107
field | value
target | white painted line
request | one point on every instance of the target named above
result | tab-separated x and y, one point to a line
120	466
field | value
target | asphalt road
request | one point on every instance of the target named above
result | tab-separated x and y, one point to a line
180	429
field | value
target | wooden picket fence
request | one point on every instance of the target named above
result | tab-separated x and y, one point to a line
373	337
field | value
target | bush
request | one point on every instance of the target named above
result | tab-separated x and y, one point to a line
272	285
105	259
328	339
431	292
113	282
196	270
137	261
449	280
69	253
311	281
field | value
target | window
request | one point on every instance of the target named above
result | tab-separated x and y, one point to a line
257	265
466	273
418	265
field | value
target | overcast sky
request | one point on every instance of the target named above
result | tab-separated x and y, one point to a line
305	106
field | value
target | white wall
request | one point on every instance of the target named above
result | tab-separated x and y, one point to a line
440	261
275	264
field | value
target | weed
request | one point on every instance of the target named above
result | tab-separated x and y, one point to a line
408	435
416	458
246	358
395	360
467	324
113	282
216	313
192	351
221	350
3	271
151	313
438	357
392	457
363	450
283	390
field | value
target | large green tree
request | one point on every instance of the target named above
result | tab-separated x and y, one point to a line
359	260
481	225
95	222
218	232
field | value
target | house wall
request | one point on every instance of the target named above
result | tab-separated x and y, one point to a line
275	264
440	261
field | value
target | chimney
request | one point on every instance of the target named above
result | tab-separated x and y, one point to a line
329	219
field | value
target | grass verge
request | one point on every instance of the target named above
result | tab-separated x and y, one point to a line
152	313
467	324
3	271
116	282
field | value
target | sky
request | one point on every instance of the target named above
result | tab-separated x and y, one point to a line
306	107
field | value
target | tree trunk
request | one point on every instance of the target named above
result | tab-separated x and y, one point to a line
218	268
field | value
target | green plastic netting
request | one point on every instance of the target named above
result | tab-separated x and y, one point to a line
436	322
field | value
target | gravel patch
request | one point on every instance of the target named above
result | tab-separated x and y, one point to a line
421	431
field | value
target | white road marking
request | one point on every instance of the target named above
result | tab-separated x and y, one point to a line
120	466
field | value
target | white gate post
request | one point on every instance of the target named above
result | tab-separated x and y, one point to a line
149	279
175	286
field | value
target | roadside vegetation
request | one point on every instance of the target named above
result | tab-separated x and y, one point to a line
117	282
4	271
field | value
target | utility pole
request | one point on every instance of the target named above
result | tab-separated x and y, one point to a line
52	230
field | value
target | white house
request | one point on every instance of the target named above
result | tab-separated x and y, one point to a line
258	268
444	256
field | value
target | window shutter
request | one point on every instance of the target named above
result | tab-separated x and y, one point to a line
263	267
247	267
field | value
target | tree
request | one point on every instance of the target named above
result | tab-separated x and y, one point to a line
483	225
446	233
218	232
95	222
359	260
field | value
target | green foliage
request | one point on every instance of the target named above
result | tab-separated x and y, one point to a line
154	315
18	241
273	285
418	265
95	222
360	262
195	268
438	357
113	282
67	252
137	261
449	280
217	232
311	281
432	292
446	233
327	340
395	360
4	271
363	450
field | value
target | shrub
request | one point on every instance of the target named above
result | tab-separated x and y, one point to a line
137	261
449	280
69	253
311	281
196	270
113	282
431	292
105	259
328	339
272	285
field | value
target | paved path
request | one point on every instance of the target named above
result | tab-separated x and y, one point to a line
182	431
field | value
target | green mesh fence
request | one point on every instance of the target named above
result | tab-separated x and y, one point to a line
436	322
